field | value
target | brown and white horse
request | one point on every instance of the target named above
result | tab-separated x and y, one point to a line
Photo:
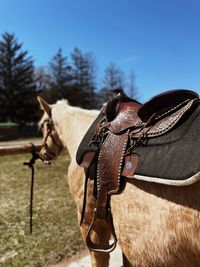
156	225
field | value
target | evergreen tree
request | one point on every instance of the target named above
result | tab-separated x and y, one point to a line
84	86
41	79
17	84
113	79
59	78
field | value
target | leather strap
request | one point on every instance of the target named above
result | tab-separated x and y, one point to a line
109	169
88	158
130	165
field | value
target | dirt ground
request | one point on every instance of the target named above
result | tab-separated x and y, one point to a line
82	259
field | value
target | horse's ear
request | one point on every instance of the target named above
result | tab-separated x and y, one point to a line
44	105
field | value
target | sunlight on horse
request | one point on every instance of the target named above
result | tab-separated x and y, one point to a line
156	225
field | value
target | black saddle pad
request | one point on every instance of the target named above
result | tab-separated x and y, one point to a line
86	145
174	155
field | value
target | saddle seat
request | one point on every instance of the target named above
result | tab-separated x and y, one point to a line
164	102
166	108
128	129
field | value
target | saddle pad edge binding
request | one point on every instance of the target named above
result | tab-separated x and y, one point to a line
158	180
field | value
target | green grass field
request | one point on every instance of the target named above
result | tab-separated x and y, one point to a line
55	228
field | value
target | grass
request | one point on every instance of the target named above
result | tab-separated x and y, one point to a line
55	229
8	124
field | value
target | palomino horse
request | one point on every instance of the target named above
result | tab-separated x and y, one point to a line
65	126
156	225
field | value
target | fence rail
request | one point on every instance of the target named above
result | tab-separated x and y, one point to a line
19	149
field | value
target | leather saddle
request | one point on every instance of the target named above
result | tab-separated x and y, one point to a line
123	129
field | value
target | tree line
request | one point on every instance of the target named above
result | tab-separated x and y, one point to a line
72	77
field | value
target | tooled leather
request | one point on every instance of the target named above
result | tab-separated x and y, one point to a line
110	162
167	123
126	117
165	101
159	126
124	120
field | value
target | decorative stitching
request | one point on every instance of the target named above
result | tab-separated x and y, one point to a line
168	126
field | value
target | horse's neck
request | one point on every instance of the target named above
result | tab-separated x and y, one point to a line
71	124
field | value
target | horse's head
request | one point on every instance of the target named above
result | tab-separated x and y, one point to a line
52	144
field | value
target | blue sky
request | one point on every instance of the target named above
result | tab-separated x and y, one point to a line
159	40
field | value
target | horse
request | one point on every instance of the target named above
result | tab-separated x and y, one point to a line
64	126
155	224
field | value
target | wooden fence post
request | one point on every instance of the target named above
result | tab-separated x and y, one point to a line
19	149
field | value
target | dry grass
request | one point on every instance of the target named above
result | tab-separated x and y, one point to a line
55	228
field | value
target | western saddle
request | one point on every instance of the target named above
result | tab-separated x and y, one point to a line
124	125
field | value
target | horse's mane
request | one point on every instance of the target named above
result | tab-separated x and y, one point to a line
64	103
61	107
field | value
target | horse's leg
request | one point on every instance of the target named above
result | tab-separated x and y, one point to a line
100	236
98	259
126	262
76	184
